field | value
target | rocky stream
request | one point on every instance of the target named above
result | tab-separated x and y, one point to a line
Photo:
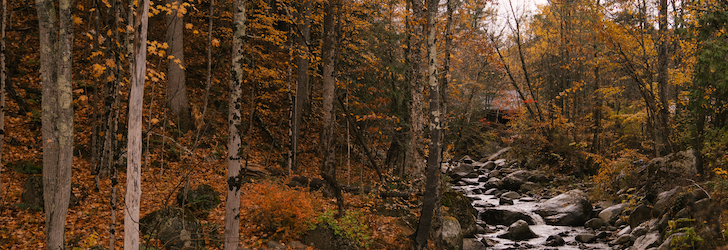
517	208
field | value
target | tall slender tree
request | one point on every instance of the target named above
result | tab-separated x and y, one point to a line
328	50
56	40
430	207
134	140
414	158
232	202
302	79
3	75
176	87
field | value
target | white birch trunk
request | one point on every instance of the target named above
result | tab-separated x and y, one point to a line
134	140
232	202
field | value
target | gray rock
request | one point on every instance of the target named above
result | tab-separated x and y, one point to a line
595	223
513	181
639	214
499	216
462	209
451	234
640	230
666	245
539	178
490	191
490	165
175	227
666	172
665	200
510	195
529	186
611	214
554	241
473	244
625	230
621	240
461	171
505	201
519	230
200	200
493	182
585	238
572	208
647	241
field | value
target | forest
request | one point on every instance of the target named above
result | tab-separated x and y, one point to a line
334	124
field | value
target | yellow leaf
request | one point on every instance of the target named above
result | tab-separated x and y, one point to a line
188	26
215	42
83	98
77	20
154	121
119	137
196	32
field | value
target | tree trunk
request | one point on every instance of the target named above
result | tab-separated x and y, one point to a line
3	75
302	82
414	158
328	51
176	89
232	202
134	140
663	78
430	217
57	115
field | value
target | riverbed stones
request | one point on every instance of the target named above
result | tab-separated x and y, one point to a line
665	200
519	230
473	244
510	195
572	208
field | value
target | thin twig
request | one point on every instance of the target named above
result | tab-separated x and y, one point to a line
701	188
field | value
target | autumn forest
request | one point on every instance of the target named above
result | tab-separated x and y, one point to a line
253	124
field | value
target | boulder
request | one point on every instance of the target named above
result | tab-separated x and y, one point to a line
324	238
473	244
621	240
585	238
498	216
463	211
510	195
572	208
175	227
664	173
450	234
505	201
611	214
529	186
554	241
539	178
493	183
665	200
519	230
595	223
461	171
647	241
200	200
639	214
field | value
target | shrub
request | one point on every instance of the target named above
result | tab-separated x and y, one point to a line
351	225
272	210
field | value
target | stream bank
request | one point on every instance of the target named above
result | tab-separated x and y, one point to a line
521	208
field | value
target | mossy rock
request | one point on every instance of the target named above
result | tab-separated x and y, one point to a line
462	209
200	200
175	227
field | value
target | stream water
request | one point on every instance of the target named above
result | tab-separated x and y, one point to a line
524	205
